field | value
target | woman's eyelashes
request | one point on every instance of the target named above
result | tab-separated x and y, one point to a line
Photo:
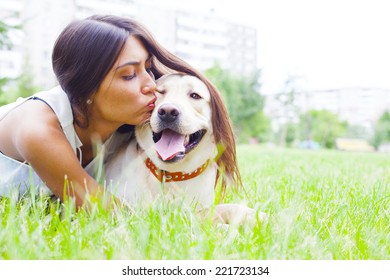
128	77
132	76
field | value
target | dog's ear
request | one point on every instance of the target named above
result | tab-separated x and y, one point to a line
160	81
166	76
163	78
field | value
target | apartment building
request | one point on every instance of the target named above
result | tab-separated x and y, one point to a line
201	38
357	106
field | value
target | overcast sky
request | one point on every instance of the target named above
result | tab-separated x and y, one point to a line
324	44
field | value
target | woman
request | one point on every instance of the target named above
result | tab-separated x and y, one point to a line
105	66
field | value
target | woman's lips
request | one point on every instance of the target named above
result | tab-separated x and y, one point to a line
151	103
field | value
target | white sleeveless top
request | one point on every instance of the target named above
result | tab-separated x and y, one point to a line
17	177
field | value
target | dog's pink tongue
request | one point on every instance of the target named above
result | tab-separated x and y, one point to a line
170	144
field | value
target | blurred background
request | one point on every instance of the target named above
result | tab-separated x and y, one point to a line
305	74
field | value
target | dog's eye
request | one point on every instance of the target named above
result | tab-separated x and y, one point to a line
160	90
194	95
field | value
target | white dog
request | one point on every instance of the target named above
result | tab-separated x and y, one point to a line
175	155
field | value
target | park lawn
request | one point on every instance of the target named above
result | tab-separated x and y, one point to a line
321	205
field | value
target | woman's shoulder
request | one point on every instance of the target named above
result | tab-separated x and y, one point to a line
59	102
35	119
27	126
31	116
43	108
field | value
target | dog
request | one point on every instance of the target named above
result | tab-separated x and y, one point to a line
182	152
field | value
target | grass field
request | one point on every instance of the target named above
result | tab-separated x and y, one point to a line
322	205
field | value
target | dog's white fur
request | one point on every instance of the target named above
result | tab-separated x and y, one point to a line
132	181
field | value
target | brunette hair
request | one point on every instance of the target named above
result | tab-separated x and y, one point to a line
87	49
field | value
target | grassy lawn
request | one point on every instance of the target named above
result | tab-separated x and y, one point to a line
322	205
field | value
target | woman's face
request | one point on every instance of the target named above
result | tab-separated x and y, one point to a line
126	94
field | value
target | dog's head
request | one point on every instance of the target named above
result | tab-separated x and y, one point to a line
180	131
188	122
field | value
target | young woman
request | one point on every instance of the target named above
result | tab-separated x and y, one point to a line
105	66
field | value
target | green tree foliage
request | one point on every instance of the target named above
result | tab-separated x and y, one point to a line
322	126
244	103
256	127
4	38
358	132
4	42
289	112
382	130
287	134
3	82
23	86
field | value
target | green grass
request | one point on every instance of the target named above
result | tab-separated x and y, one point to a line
322	205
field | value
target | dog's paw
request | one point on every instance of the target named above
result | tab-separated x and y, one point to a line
237	214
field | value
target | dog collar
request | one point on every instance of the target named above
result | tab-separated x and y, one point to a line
165	176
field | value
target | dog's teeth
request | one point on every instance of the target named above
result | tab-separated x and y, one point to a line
187	140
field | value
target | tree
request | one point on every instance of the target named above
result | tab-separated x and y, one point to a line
289	111
382	130
5	42
358	131
256	127
23	87
323	127
20	86
243	101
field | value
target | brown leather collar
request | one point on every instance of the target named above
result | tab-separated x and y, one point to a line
165	176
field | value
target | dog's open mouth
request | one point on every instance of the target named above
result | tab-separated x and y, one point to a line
172	146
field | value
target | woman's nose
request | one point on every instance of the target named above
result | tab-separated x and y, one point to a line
149	86
147	90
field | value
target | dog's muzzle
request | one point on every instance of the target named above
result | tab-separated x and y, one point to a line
172	146
168	113
171	143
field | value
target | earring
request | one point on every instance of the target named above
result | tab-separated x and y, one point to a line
89	101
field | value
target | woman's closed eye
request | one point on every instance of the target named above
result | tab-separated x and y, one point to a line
132	76
128	77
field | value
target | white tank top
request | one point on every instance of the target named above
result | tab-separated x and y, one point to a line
17	177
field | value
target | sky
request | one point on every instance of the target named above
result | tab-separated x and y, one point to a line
319	45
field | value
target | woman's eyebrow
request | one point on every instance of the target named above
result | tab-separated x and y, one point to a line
133	62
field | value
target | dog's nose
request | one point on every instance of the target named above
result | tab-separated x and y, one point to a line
168	112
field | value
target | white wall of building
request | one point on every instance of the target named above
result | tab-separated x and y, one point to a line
357	106
199	38
11	58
